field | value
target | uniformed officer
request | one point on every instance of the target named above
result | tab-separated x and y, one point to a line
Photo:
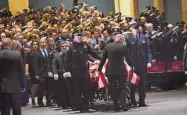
177	41
58	70
141	57
185	59
77	59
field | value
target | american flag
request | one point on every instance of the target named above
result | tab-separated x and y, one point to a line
102	80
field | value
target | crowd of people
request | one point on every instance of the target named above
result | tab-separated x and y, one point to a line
57	44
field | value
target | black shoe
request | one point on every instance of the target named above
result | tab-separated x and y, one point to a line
125	108
33	102
86	109
117	109
143	105
41	105
134	103
75	109
64	107
82	111
48	104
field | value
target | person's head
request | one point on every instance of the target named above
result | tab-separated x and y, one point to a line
34	45
43	43
134	28
50	42
180	24
170	26
6	43
64	46
101	44
119	38
54	35
20	37
149	27
78	38
105	34
3	35
96	34
88	34
64	32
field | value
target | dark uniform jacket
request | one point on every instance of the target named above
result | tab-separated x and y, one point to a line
12	75
185	57
77	59
115	52
58	63
139	50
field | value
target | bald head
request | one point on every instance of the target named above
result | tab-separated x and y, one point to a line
6	43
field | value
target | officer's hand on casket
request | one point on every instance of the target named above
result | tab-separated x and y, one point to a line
154	60
175	57
96	62
67	74
185	72
149	65
55	76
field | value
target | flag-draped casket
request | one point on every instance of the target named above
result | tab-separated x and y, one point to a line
102	80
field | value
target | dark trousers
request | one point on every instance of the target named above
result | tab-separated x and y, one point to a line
141	88
61	93
13	101
118	94
44	88
71	96
81	91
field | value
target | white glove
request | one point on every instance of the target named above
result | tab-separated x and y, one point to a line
176	28
96	62
148	65
55	76
175	57
37	77
153	60
96	46
50	74
67	74
185	72
23	89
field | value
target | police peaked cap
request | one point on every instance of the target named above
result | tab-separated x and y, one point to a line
128	19
25	10
180	23
148	7
31	7
153	8
134	25
115	31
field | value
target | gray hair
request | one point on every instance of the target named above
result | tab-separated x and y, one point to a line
6	43
119	37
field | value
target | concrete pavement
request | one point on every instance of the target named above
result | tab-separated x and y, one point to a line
160	103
